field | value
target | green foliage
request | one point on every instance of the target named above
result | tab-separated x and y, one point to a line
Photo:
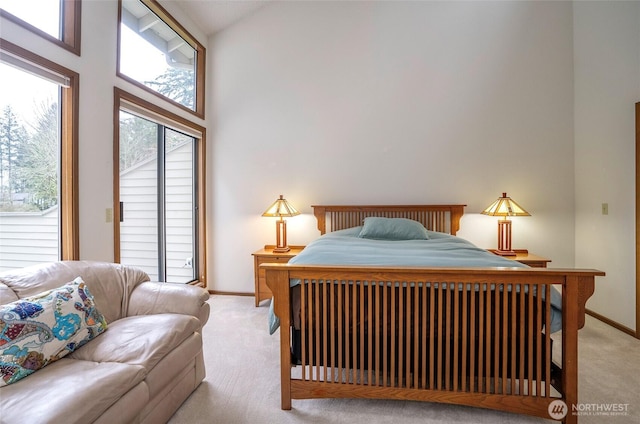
29	161
40	165
138	140
177	84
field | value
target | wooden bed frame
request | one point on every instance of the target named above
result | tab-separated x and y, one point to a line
467	336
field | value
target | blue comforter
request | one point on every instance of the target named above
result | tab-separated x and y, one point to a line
346	248
440	250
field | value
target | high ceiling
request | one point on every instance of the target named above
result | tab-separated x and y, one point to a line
212	16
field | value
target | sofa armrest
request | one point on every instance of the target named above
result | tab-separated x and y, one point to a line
150	298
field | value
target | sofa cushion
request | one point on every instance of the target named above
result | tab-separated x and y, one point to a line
168	370
38	330
110	283
139	340
151	298
71	391
7	295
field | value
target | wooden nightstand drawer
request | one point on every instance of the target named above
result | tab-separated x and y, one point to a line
265	256
262	281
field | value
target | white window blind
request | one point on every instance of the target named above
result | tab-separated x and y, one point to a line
33	68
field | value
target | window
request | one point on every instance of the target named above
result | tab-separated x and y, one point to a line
55	20
160	192
158	54
38	159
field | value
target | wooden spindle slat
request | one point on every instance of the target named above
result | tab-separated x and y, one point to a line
347	324
496	332
530	349
354	340
370	338
385	334
303	326
341	333
473	341
538	337
425	323
465	335
332	316
456	332
392	371
316	330
407	336
401	334
313	307
513	322
506	318
481	337
325	325
419	340
378	368
487	355
547	342
432	341
361	330
447	322
521	373
439	338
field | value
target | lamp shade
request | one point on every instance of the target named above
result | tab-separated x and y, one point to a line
505	206
281	208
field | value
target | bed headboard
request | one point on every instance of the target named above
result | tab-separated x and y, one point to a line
442	218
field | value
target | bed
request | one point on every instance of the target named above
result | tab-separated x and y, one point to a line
376	316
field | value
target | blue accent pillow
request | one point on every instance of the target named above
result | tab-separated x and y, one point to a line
379	228
40	329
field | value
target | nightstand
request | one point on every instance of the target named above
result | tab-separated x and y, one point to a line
264	256
523	256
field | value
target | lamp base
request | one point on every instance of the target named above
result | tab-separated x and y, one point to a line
283	249
281	237
504	252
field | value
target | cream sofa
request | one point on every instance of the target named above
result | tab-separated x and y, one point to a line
140	370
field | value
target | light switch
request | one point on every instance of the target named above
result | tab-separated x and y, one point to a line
605	209
108	215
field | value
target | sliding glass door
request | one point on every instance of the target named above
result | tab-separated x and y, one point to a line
158	220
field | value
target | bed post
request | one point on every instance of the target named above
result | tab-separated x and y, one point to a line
278	282
320	214
585	290
570	321
456	213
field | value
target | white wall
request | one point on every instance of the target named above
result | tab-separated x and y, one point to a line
607	86
97	69
391	102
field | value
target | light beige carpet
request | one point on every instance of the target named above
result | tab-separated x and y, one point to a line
242	383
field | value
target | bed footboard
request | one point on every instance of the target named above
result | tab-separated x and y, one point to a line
468	336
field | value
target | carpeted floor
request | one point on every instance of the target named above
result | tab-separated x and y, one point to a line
242	383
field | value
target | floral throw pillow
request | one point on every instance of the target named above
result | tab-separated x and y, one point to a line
38	330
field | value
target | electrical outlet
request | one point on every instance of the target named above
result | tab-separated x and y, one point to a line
605	209
188	263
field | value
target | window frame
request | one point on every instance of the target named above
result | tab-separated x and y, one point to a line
70	21
201	58
69	231
153	112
